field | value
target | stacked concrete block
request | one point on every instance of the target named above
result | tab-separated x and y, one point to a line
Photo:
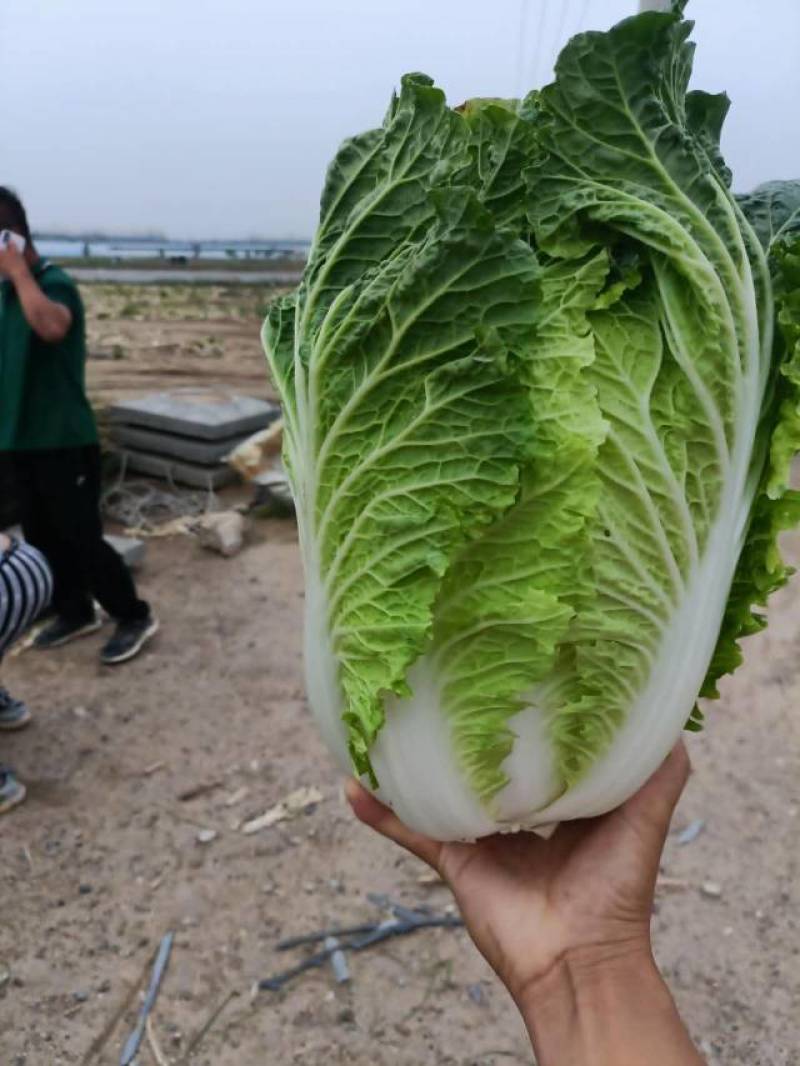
185	435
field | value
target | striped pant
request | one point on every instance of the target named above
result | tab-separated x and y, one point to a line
26	587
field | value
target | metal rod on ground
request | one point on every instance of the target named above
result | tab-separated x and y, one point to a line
159	968
392	927
405	914
323	934
100	1042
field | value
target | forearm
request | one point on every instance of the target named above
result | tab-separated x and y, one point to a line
49	320
606	1012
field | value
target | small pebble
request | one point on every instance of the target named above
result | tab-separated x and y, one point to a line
692	831
80	997
476	993
205	836
84	889
711	889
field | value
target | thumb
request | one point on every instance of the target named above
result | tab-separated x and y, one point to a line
655	802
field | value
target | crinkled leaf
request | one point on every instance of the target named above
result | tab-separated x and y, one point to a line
773	210
681	363
410	422
761	570
508	600
503	143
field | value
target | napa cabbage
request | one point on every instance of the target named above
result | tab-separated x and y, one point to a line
540	388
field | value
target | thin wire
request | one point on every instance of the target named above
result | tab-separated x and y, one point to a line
581	22
538	45
522	45
576	27
558	41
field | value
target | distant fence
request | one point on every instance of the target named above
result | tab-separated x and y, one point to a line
184	276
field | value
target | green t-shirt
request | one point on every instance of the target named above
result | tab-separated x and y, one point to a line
43	400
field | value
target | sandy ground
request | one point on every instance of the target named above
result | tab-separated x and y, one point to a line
145	338
104	857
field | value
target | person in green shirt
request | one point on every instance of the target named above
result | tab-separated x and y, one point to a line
48	429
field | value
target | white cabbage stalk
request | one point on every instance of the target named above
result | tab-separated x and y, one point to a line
537	424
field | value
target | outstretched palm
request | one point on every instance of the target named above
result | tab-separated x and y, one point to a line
529	902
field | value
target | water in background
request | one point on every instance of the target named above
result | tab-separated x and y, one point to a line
126	249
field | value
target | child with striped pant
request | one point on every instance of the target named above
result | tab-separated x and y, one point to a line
25	590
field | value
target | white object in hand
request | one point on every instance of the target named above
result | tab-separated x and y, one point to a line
8	237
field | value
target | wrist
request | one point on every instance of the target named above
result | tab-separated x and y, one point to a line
20	271
605	1006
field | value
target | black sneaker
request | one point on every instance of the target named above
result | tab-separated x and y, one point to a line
128	640
62	631
14	714
12	792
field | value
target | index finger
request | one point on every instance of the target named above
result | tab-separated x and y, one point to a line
657	799
383	820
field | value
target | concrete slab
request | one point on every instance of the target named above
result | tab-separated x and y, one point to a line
204	452
131	549
182	473
206	414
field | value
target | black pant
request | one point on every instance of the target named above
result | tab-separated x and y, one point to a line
59	500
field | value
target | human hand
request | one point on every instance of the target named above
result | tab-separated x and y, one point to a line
582	899
13	264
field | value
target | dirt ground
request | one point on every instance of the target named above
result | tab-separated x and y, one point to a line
167	336
104	858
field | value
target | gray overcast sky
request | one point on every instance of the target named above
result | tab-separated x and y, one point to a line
218	117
